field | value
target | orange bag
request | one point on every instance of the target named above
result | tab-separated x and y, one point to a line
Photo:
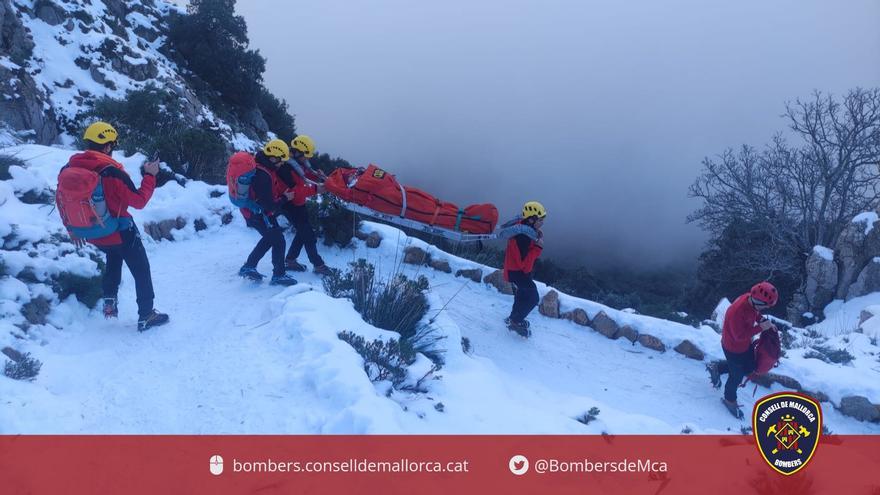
378	190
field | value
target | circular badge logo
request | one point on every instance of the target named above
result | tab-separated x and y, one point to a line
787	427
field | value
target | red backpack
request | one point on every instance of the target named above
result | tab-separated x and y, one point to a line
767	351
81	204
239	176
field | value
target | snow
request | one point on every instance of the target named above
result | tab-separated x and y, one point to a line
868	218
239	357
824	252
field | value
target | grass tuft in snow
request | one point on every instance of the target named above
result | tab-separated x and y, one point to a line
466	346
589	416
26	368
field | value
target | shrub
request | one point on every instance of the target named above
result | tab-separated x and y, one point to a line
88	290
829	355
26	368
7	161
151	121
687	430
334	223
589	416
398	304
383	360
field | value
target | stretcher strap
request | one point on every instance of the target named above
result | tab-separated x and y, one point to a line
436	213
458	220
403	205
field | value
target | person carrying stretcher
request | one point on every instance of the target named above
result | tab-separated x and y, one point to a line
526	241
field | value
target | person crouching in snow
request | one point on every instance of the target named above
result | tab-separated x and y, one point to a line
526	241
269	193
742	321
302	178
93	196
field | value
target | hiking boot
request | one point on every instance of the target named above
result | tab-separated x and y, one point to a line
283	280
250	274
153	319
733	408
111	310
323	270
714	375
520	327
294	266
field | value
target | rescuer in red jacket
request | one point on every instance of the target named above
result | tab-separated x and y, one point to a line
303	180
523	249
742	321
125	243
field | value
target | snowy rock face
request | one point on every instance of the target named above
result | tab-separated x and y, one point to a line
821	280
58	57
858	245
867	282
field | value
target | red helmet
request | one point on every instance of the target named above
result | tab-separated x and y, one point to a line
764	292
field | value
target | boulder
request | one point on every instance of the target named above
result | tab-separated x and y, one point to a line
860	408
373	240
858	244
652	342
49	13
867	282
496	279
415	256
795	310
689	349
629	333
549	305
12	354
821	283
603	324
162	230
441	265
865	315
768	379
578	316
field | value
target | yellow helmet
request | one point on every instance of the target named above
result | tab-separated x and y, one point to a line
278	149
304	144
100	133
534	209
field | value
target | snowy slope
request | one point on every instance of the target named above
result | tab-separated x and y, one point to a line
244	358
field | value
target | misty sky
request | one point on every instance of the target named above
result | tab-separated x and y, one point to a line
603	111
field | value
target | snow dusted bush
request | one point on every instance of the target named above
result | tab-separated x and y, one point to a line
334	223
397	304
829	355
383	360
26	368
87	290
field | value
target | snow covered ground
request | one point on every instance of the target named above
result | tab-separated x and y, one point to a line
240	357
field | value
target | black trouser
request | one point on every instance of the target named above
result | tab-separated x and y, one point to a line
525	297
272	238
298	216
737	366
132	251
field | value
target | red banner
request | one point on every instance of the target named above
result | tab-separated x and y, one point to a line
634	464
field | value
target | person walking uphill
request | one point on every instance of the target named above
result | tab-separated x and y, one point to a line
300	176
742	321
93	196
523	249
254	186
